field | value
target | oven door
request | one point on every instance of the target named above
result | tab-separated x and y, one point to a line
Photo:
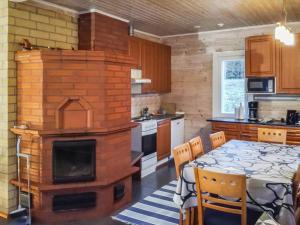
149	142
261	85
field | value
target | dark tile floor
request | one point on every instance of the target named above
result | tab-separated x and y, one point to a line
140	190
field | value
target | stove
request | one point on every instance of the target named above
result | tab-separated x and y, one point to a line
144	140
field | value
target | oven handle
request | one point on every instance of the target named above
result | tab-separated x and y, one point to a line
149	132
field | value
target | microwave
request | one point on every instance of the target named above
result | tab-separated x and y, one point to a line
261	85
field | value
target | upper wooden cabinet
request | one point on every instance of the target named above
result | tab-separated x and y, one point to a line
260	56
135	51
288	62
154	60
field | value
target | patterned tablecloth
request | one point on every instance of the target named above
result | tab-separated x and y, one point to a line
269	169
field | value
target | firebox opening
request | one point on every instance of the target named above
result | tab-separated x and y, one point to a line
74	161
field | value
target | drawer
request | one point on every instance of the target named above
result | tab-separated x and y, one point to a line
219	126
248	136
249	128
293	137
229	134
292	142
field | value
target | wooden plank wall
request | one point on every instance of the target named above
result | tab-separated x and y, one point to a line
192	58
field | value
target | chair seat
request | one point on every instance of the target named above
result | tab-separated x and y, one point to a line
214	217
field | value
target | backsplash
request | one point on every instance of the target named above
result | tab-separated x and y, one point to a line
276	109
138	102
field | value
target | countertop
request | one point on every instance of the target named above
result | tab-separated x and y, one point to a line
246	121
160	117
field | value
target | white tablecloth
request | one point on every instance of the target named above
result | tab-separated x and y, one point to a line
269	169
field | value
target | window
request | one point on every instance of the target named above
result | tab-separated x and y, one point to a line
228	82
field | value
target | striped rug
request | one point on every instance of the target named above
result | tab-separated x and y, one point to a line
156	209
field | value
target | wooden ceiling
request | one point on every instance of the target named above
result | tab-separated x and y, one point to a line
170	17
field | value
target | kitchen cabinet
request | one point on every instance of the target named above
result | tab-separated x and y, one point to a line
154	60
163	145
231	130
248	132
134	46
149	66
288	79
260	56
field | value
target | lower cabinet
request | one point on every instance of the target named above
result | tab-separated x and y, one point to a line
248	132
231	129
163	139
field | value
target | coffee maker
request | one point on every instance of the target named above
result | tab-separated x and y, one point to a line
253	111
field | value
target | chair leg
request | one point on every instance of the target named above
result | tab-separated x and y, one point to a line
180	217
193	216
188	217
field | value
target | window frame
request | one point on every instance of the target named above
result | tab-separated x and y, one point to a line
218	58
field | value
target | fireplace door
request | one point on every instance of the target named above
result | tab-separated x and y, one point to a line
74	161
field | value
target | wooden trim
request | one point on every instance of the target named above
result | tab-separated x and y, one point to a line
61	187
45	55
69	133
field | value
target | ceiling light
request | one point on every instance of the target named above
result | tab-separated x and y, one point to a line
220	24
197	26
282	32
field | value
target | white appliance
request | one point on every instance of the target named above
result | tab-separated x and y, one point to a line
261	85
177	133
144	140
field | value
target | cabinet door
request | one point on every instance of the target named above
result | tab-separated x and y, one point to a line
231	130
165	69
260	56
135	50
148	65
163	139
289	68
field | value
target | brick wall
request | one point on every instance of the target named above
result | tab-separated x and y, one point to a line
99	32
42	26
192	59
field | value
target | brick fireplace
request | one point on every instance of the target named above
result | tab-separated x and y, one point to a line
77	107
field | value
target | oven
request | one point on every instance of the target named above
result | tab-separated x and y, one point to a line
149	142
143	137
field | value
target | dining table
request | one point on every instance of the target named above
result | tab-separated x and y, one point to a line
269	169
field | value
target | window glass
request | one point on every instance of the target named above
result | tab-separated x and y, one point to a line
233	85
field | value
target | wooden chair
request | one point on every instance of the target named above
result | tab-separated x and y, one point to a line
272	135
196	147
217	139
218	211
182	155
296	195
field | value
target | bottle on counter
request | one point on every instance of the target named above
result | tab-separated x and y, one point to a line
241	112
237	112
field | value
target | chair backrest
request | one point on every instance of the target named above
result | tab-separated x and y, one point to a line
221	184
182	155
296	189
272	135
217	139
196	147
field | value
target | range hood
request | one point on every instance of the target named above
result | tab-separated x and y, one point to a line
136	77
140	81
